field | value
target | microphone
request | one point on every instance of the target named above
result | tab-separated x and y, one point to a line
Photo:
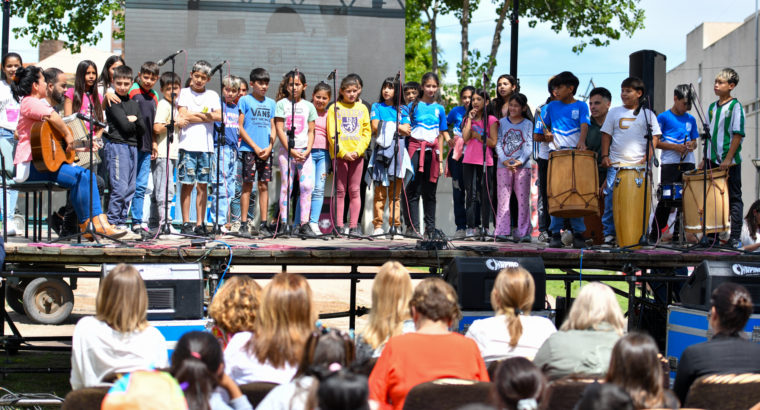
165	60
332	74
217	68
643	100
486	79
398	76
90	120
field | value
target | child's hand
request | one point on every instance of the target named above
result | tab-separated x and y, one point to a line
440	168
473	113
180	121
516	163
111	98
507	163
606	163
131	118
154	151
265	153
351	156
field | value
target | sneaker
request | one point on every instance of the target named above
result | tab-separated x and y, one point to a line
235	226
243	230
485	234
284	231
264	229
306	231
355	231
578	241
567	238
556	241
187	228
55	222
221	230
734	243
503	238
609	240
200	230
140	227
11	228
430	234
378	232
411	233
526	239
543	237
460	234
315	228
470	234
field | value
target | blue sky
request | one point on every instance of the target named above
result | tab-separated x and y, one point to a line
543	52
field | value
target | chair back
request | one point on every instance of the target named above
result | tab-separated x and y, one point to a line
84	398
447	394
256	391
563	394
724	392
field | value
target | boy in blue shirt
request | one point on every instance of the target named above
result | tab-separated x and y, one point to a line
257	132
678	141
566	120
454	162
224	187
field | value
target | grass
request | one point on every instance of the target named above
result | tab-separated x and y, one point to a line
557	287
54	383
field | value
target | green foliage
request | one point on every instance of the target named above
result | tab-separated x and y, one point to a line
72	21
418	54
476	66
594	22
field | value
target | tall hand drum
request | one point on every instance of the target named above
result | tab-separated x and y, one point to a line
573	188
628	201
715	213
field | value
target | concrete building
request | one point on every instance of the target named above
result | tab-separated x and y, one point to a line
709	48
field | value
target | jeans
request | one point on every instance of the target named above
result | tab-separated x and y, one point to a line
670	174
608	218
141	184
576	224
320	157
77	180
11	195
225	186
235	203
457	188
122	160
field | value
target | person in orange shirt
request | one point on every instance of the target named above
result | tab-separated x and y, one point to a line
432	352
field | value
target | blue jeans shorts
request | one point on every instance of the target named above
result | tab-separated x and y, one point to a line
194	167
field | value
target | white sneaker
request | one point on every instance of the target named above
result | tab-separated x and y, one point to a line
460	234
140	227
11	228
378	232
315	228
470	234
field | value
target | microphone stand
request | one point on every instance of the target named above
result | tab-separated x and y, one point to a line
220	132
5	200
484	181
90	228
291	145
336	149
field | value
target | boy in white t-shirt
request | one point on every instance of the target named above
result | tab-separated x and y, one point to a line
200	107
624	143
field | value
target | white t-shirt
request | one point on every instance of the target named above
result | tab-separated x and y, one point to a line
9	107
243	367
288	396
97	350
492	336
305	113
746	239
163	116
628	134
198	137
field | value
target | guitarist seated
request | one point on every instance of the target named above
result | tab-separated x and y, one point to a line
29	87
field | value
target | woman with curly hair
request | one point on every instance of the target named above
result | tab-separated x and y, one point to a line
234	307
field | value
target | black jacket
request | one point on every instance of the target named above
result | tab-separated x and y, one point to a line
120	129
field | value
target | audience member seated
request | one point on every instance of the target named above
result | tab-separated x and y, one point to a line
197	364
728	351
512	332
324	348
118	339
139	390
342	390
635	367
284	322
605	396
750	236
584	343
431	352
391	291
234	307
518	384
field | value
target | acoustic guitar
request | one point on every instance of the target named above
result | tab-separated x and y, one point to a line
49	145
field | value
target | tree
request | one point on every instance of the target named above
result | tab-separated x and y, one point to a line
593	22
418	55
73	21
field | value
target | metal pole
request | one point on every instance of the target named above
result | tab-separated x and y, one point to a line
513	39
757	97
6	24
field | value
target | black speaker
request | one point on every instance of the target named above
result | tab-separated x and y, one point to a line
708	275
473	279
175	290
649	66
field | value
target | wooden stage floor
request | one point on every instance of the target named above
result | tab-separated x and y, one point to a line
350	252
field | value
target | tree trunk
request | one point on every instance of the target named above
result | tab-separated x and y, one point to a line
433	39
496	42
465	41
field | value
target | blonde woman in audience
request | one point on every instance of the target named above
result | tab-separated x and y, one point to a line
234	307
118	338
391	292
635	367
283	323
584	343
431	352
513	331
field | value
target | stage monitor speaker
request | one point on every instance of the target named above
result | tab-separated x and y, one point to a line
708	275
473	279
649	66
175	290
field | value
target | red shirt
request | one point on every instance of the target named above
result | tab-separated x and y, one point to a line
413	358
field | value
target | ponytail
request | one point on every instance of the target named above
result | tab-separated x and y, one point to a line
23	80
512	295
514	325
196	360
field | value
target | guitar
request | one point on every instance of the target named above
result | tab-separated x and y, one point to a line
49	145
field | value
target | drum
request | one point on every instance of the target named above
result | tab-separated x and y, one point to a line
716	213
628	202
573	184
670	194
